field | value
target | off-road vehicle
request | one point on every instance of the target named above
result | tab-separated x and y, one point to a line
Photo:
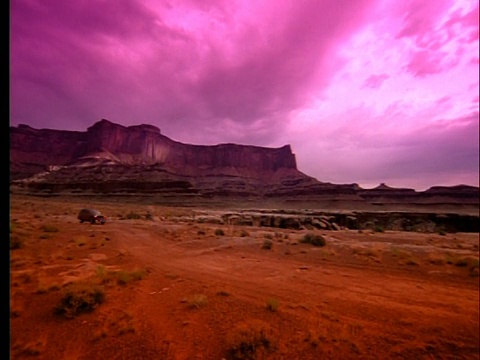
91	215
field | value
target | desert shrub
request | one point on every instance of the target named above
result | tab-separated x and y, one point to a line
272	304
461	262
268	236
133	216
197	301
78	298
121	277
223	293
244	233
442	232
171	276
219	232
49	228
15	242
124	277
201	232
267	244
149	216
315	240
378	229
249	340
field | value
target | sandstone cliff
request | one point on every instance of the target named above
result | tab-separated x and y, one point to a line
113	159
109	143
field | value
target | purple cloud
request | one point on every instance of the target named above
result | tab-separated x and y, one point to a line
254	73
375	81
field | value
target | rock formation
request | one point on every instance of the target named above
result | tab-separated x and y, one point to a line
113	159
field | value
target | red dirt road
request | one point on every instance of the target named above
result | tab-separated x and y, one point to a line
392	295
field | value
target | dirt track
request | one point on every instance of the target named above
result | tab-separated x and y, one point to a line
392	295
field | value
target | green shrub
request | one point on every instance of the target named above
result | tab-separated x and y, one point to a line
219	232
315	240
379	229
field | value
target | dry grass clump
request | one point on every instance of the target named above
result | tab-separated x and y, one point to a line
124	277
133	216
197	301
358	250
121	277
17	236
249	340
48	228
315	240
272	304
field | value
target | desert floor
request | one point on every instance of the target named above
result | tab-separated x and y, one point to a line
174	288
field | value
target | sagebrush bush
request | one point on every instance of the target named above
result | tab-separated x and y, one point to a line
267	244
315	240
78	298
249	340
133	215
49	228
15	242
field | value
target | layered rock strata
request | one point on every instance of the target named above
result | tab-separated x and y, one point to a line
113	159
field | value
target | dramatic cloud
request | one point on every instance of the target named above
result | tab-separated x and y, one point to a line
365	91
375	81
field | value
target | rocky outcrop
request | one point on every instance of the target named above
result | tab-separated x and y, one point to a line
113	159
109	143
372	221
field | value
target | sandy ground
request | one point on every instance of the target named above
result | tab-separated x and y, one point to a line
203	295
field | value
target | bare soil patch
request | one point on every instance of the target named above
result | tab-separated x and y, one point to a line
174	288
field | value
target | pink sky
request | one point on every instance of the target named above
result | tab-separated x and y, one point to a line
365	91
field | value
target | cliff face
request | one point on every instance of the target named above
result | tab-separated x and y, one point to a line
106	142
112	159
